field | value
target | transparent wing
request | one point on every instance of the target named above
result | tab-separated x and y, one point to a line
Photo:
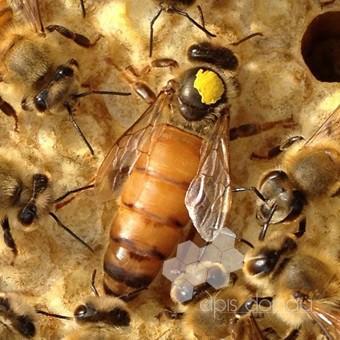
329	129
247	328
122	157
326	313
208	198
31	9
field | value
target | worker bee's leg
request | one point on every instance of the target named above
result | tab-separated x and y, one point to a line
79	39
8	238
8	110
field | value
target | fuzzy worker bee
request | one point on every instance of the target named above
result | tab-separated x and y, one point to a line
100	310
176	7
305	285
204	320
22	317
31	62
106	309
214	316
19	316
217	314
173	175
24	199
310	168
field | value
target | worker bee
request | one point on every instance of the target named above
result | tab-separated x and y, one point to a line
25	198
97	312
19	316
31	62
309	169
304	283
216	314
214	317
176	7
175	161
22	317
106	309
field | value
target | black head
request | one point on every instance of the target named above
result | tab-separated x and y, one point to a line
219	56
264	263
63	71
40	100
27	214
115	317
277	188
119	317
201	90
22	323
84	313
4	305
25	326
40	183
45	98
264	260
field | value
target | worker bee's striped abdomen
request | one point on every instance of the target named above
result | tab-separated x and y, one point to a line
152	216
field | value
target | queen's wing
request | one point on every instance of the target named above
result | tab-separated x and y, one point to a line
120	160
208	198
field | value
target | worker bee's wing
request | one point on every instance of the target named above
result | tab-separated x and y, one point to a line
31	9
326	313
208	198
329	129
138	139
247	328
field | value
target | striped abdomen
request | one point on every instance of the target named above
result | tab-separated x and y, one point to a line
151	216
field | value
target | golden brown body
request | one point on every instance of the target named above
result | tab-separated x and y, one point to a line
310	169
16	188
314	170
165	177
219	314
317	277
305	284
18	316
42	75
214	316
151	217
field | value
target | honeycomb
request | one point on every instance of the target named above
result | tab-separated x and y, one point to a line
192	265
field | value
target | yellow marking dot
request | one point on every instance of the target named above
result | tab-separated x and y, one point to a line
209	85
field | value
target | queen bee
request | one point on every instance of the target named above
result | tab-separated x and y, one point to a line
170	169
